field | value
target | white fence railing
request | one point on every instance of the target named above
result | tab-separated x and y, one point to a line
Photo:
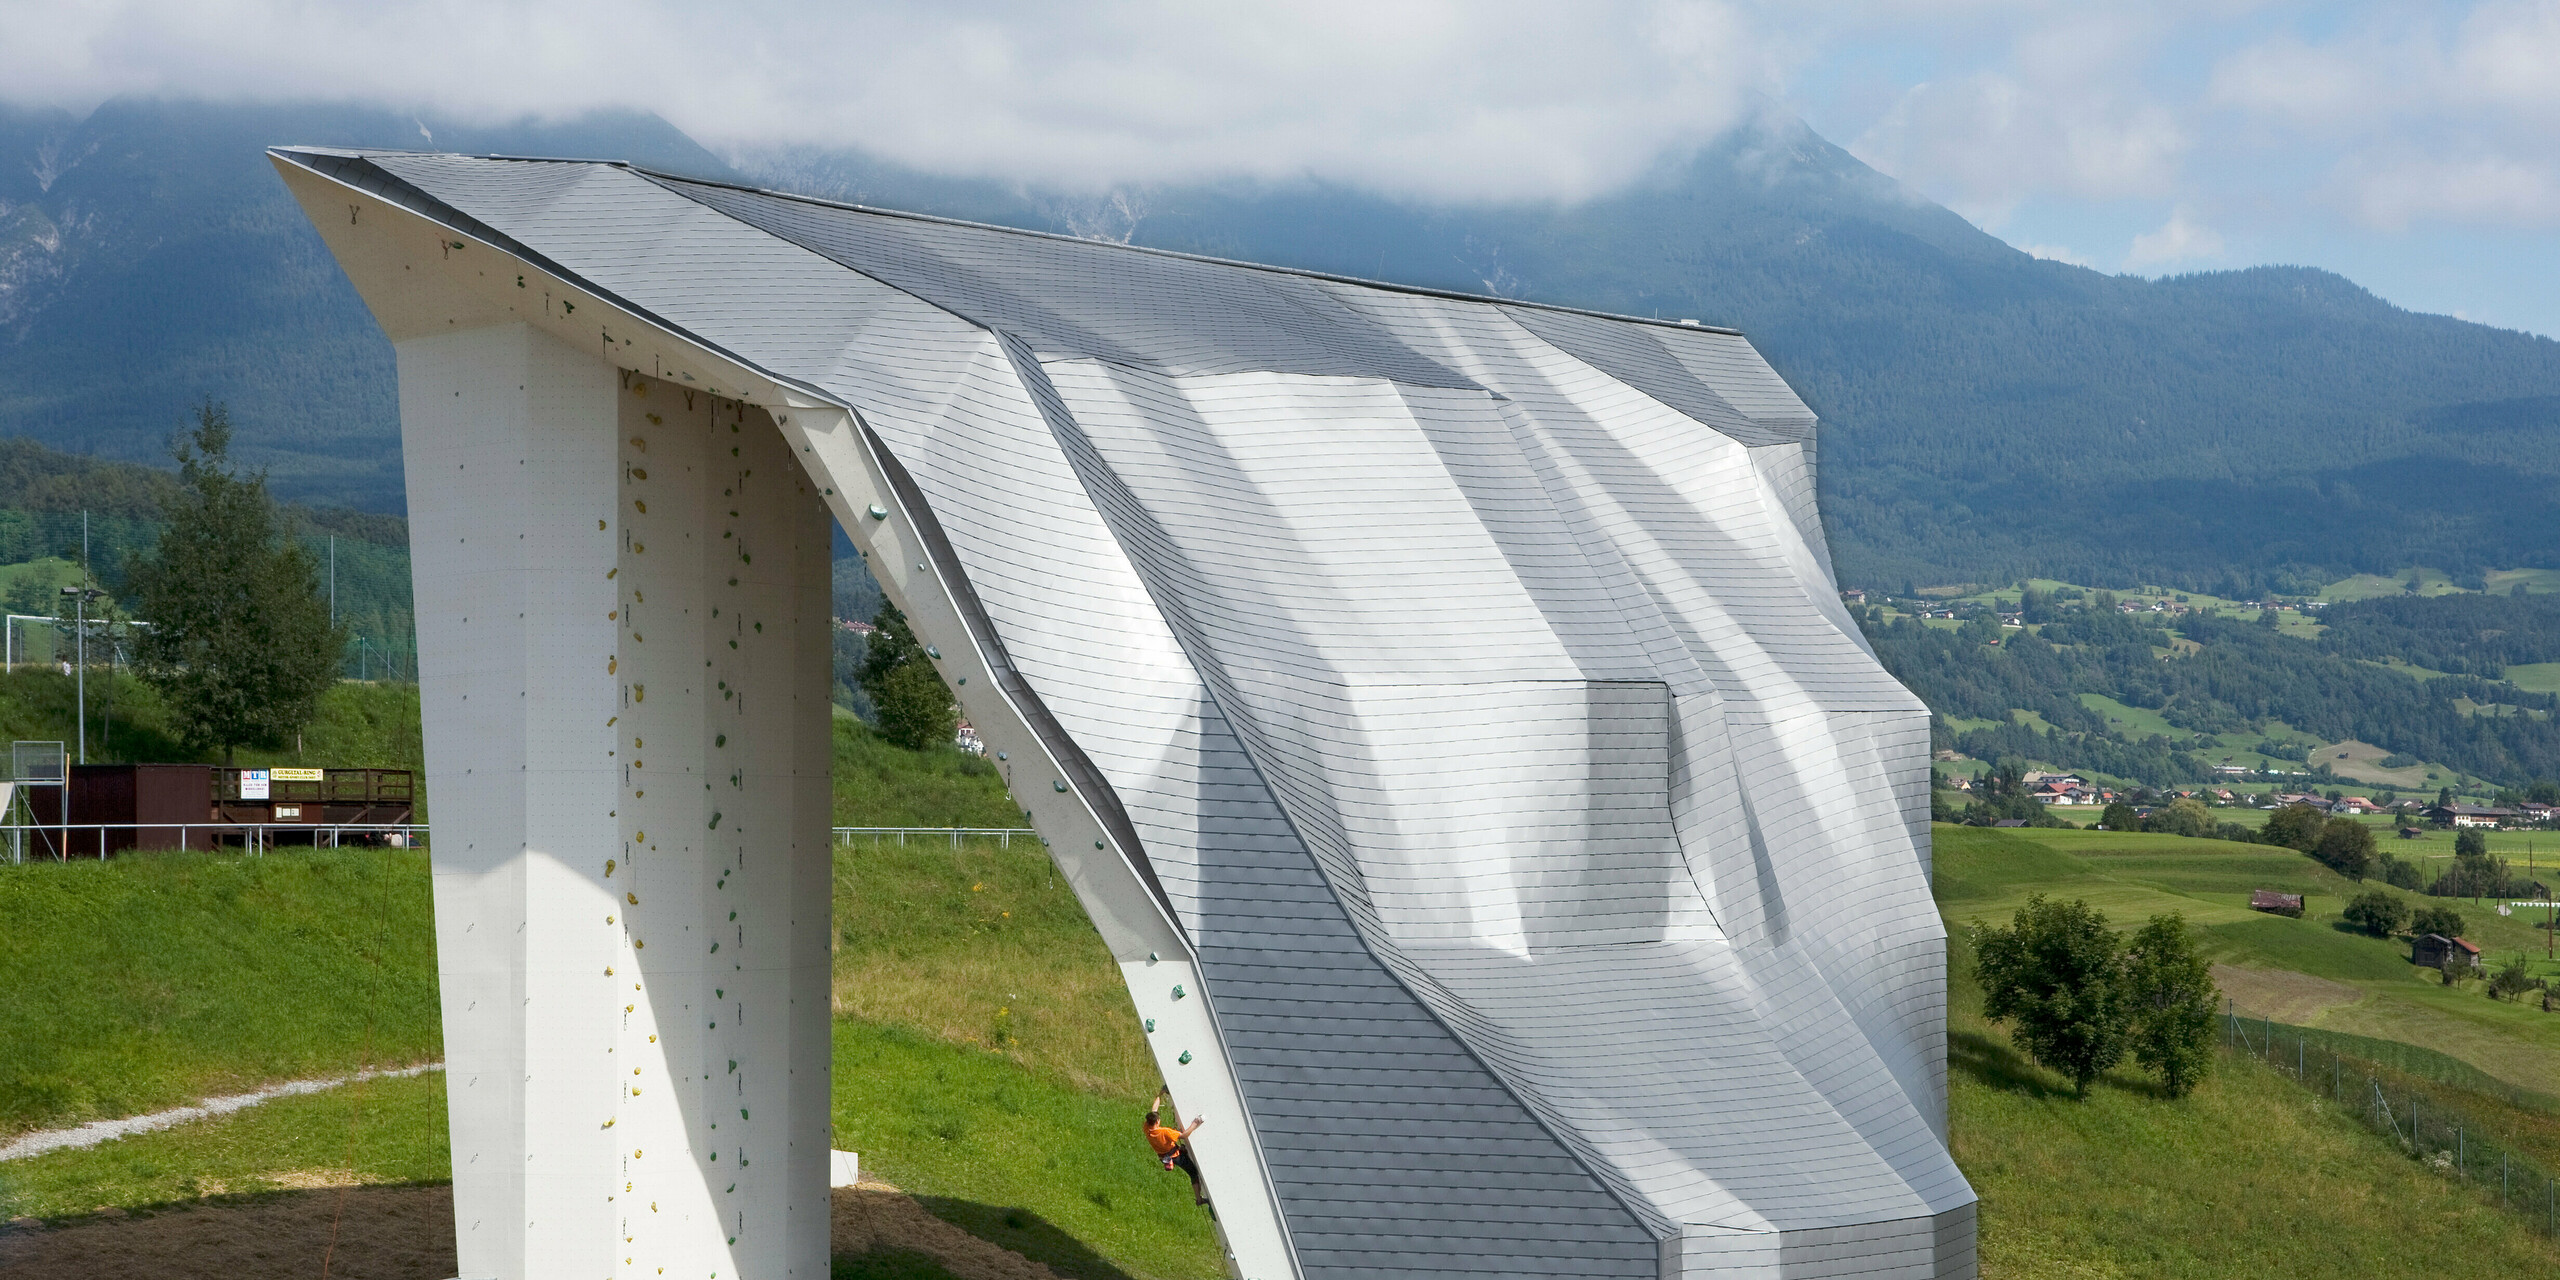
64	841
90	839
1003	836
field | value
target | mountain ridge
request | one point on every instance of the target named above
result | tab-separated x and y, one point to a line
1987	415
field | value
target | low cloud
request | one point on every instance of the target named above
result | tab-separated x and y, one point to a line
2180	241
1452	99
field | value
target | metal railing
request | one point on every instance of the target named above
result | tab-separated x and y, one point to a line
67	840
1003	836
86	839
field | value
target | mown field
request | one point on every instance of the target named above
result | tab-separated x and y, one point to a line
988	1060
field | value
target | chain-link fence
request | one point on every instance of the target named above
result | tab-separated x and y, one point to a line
2449	1129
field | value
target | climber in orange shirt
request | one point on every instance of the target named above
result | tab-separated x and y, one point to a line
1173	1146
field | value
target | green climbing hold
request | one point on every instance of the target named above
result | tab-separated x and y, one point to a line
932	652
1185	1059
715	820
1177	991
1151	1026
1058	785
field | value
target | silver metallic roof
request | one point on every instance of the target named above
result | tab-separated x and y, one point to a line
1468	674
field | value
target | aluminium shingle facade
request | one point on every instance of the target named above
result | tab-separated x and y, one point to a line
1447	697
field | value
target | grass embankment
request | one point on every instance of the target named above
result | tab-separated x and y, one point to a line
371	1132
987	1057
2253	1175
2248	1176
988	1060
2315	971
151	981
879	784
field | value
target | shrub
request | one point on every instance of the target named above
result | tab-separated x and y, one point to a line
2512	980
2471	842
2399	873
2444	921
2378	913
2120	817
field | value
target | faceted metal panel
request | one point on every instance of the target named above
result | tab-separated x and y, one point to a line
1464	678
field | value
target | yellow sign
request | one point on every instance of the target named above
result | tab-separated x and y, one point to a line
295	775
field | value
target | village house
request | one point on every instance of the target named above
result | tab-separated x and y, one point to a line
2353	805
2469	815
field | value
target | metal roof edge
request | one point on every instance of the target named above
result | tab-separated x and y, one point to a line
1176	254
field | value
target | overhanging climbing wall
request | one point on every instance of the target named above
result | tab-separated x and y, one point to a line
1441	705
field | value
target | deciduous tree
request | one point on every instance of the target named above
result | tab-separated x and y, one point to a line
2378	913
2052	976
2169	989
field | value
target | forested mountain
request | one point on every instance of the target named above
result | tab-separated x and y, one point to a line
150	258
2235	678
1988	415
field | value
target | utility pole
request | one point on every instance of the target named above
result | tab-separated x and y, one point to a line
80	598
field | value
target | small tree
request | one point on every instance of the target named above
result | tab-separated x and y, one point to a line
2170	991
2511	980
2378	913
2052	976
2443	921
240	641
2184	816
2471	842
914	705
2296	826
2120	817
2346	846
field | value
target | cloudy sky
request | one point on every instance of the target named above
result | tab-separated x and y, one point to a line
2413	146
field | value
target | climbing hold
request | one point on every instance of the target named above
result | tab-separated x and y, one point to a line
633	898
964	680
879	512
1151	1026
720	741
608	866
1000	755
931	652
733	915
1185	1059
1152	957
715	820
1177	991
1058	784
1098	844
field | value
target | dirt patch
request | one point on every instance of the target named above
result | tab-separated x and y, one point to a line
404	1233
877	1218
2282	994
386	1233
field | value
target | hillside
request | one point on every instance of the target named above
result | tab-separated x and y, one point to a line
2161	696
987	1062
1988	415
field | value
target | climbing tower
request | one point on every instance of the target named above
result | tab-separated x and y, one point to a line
1441	705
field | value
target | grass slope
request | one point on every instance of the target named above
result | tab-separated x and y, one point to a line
2248	1176
880	784
1985	875
374	1132
987	1058
149	981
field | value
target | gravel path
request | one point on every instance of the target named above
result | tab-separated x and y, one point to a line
97	1131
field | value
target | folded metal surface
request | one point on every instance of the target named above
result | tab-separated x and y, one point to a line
1469	675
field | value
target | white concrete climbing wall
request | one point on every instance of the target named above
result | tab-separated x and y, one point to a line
623	677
